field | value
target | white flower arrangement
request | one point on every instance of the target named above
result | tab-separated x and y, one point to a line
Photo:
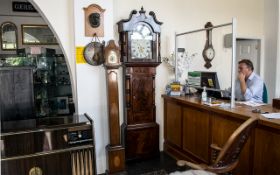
183	62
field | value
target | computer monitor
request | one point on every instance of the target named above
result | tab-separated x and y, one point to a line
210	80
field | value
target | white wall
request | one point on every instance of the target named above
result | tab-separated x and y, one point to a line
178	16
271	21
91	82
277	89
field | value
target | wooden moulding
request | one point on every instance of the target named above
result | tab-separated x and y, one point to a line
89	30
276	103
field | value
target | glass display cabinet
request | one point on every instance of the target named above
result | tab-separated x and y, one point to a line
51	82
52	86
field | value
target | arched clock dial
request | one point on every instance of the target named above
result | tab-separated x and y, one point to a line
208	51
141	42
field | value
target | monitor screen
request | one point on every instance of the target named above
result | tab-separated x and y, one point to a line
210	80
21	52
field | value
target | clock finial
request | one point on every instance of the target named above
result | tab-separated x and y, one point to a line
142	10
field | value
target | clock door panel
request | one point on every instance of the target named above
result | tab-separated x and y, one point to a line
142	102
140	105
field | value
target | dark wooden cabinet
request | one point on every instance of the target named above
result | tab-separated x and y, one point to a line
140	55
16	93
48	164
48	146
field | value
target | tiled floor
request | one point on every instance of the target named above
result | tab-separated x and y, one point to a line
161	162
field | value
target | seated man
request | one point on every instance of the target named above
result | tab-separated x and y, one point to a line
249	86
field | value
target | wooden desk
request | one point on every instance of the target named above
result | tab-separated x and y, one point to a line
191	127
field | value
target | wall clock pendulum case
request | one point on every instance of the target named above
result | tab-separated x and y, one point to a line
140	54
208	52
115	152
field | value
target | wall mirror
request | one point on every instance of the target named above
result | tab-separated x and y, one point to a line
37	34
8	36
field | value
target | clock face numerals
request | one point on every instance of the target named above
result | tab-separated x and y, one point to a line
210	53
141	49
112	58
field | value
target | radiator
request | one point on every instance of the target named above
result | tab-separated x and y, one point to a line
82	162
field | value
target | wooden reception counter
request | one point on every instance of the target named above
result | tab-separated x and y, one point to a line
191	127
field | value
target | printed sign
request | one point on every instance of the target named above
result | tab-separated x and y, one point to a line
23	7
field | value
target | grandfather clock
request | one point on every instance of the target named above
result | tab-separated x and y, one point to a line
140	55
114	150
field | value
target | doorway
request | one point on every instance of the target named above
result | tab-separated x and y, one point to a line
249	49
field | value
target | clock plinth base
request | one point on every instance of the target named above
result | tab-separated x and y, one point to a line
115	160
141	141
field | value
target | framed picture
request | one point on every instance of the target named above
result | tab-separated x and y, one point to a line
37	35
62	105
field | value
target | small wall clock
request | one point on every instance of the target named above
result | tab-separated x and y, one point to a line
208	51
93	53
94	20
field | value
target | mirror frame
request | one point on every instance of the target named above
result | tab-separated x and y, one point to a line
52	37
16	35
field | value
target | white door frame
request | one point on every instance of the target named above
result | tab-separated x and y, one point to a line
261	51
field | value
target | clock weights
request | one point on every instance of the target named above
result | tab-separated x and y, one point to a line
140	55
115	151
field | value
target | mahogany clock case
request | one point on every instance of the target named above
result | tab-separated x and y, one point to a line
140	54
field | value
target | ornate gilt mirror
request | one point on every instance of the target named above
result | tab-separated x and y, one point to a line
8	36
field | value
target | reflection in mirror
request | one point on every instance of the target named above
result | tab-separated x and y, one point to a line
8	36
37	34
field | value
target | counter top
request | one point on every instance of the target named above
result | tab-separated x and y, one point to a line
239	111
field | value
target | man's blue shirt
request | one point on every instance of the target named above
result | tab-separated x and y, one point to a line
254	91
